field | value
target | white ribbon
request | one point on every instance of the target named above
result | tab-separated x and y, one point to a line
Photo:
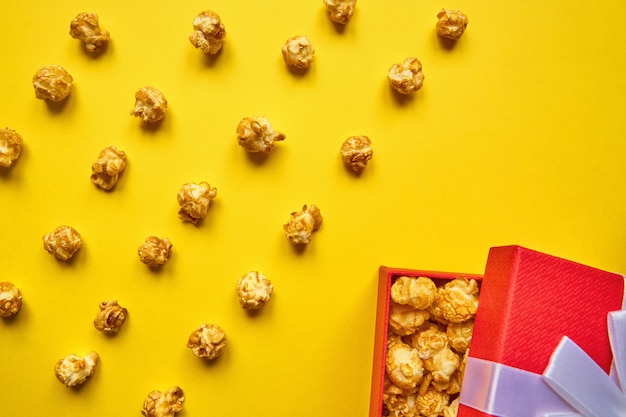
576	378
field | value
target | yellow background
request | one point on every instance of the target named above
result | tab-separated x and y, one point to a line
517	137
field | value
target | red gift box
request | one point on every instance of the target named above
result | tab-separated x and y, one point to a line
386	276
530	300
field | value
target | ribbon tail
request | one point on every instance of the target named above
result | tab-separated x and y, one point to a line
582	383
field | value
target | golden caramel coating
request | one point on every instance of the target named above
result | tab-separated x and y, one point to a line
460	335
429	341
400	405
255	134
432	403
451	24
340	11
150	105
194	200
208	341
10	299
10	146
456	381
418	292
74	370
155	251
111	317
406	77
356	151
163	404
62	242
86	27
298	52
106	170
302	224
253	290
453	409
442	365
53	83
404	319
208	32
458	300
404	366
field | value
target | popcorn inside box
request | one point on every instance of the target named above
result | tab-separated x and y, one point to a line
542	341
424	323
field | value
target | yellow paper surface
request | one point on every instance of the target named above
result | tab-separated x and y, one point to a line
517	137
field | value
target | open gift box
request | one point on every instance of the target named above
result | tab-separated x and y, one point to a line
537	314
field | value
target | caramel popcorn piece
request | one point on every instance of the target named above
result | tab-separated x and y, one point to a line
106	170
150	105
406	77
208	341
10	299
209	32
298	52
255	134
456	381
302	224
401	405
432	403
418	292
85	27
62	242
163	404
155	251
429	341
340	11
442	366
453	409
194	200
460	335
356	151
111	317
458	300
10	146
404	366
253	290
451	24
404	319
53	83
74	370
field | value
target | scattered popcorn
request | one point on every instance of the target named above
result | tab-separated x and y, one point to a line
154	251
209	32
10	146
253	290
458	300
150	105
404	320
418	292
298	52
404	366
74	370
432	403
85	27
340	11
406	77
10	299
208	341
163	404
255	134
194	200
111	317
106	170
356	151
62	242
53	83
302	224
451	24
460	335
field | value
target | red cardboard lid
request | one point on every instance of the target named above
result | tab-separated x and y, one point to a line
529	300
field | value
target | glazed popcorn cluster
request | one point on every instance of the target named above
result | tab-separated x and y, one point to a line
430	329
429	326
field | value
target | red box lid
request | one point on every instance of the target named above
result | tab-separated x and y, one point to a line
529	300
